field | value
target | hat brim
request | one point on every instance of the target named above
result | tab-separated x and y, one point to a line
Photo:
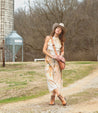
63	28
57	25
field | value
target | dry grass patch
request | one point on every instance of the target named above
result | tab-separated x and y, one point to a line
28	80
82	96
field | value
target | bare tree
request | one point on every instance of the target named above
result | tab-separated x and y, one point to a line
80	20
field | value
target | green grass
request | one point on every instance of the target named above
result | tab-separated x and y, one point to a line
18	64
15	64
83	62
12	67
72	75
16	83
30	73
23	98
83	96
7	70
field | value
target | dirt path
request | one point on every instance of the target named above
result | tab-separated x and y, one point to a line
40	105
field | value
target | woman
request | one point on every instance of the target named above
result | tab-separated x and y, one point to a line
52	69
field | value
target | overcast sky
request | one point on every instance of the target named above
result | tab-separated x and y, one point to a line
22	3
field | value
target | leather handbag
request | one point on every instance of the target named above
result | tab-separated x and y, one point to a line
62	61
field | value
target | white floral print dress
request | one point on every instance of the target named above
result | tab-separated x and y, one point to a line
52	69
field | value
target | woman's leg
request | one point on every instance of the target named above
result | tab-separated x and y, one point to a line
56	91
52	101
60	97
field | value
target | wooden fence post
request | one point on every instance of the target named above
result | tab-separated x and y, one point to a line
3	53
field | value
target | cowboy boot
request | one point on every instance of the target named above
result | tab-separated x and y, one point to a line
52	102
62	100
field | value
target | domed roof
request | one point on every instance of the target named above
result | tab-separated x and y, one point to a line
14	35
13	39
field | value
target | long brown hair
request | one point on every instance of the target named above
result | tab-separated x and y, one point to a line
61	36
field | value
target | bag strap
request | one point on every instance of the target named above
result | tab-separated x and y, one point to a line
53	45
55	48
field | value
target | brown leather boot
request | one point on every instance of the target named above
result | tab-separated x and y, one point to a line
52	102
62	100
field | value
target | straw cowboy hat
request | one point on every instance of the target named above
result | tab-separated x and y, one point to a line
55	25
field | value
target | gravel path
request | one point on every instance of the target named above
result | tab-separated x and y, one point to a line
40	104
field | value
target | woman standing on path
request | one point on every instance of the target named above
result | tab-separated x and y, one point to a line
52	69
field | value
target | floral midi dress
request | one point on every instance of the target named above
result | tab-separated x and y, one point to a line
52	69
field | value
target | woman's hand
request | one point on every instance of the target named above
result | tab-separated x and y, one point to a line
56	57
60	57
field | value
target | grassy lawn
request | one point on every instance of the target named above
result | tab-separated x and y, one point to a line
77	71
22	81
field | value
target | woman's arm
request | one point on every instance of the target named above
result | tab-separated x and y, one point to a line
45	47
62	50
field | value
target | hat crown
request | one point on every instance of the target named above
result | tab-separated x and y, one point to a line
61	24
